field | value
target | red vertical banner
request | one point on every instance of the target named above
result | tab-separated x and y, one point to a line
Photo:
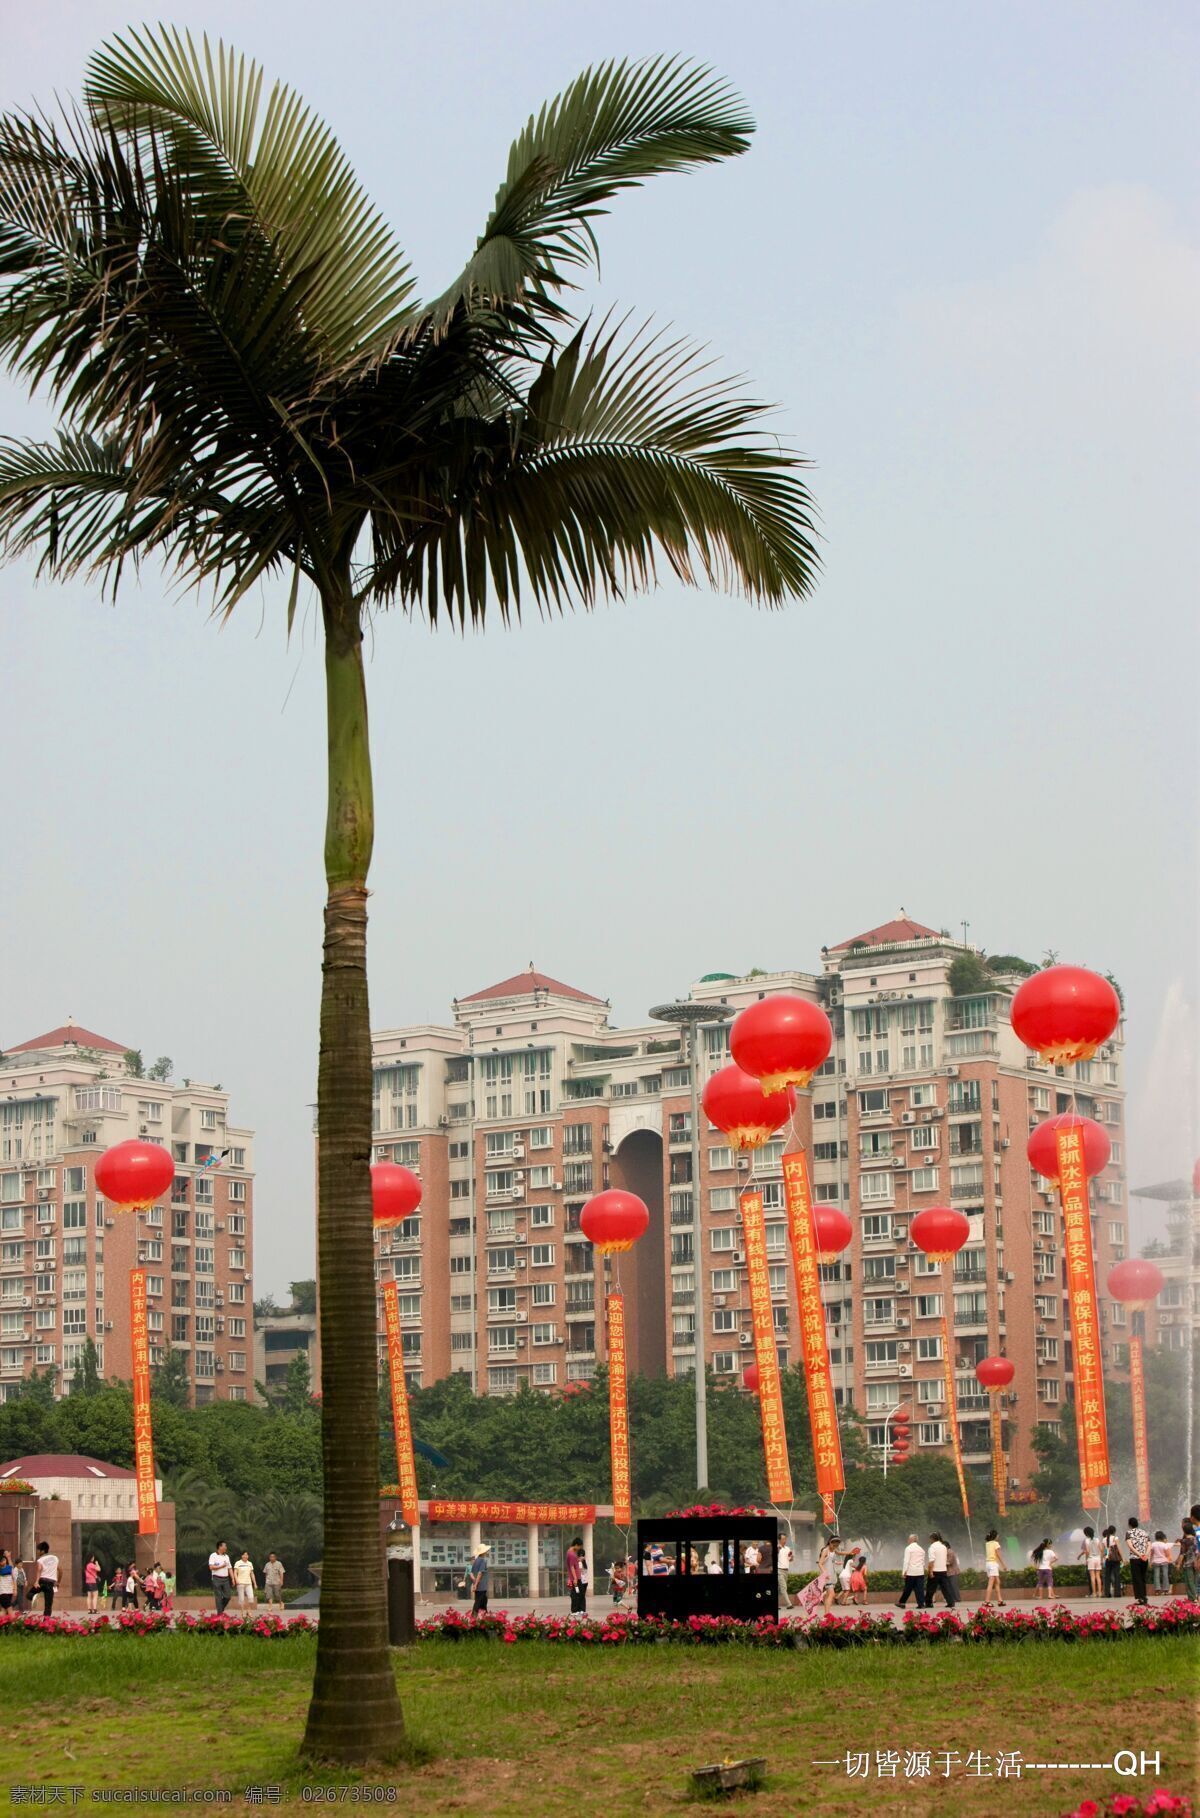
770	1395
952	1400
406	1464
618	1413
143	1434
1141	1450
822	1409
1091	1425
999	1460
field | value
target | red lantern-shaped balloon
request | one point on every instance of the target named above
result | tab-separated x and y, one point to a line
395	1194
133	1175
1136	1281
613	1221
833	1229
995	1372
1042	1147
1065	1012
750	1378
736	1103
940	1231
781	1041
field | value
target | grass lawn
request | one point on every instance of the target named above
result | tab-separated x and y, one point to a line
538	1730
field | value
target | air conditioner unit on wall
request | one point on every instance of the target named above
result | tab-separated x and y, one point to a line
908	1117
745	1338
904	1369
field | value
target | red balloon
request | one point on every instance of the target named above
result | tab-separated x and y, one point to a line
1065	1012
395	1194
613	1221
940	1231
995	1372
1136	1281
736	1103
833	1228
750	1378
781	1041
132	1175
1042	1147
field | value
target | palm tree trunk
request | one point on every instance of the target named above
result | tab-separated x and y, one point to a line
355	1712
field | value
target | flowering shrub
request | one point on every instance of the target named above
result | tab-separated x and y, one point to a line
145	1622
16	1486
1127	1805
708	1511
621	1628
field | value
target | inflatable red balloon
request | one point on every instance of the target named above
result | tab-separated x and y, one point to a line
613	1221
395	1194
750	1378
833	1230
781	1041
1136	1281
995	1372
132	1175
1065	1013
1042	1147
737	1105
940	1231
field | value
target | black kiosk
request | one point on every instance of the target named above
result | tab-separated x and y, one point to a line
711	1565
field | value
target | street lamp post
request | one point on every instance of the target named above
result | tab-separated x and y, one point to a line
692	1018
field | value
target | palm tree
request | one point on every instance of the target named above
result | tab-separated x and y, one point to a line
249	389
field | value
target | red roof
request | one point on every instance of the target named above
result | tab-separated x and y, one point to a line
902	929
524	984
67	1033
63	1464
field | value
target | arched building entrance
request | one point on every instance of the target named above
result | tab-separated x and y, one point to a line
637	1165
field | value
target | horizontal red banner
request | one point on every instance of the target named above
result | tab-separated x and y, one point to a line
519	1513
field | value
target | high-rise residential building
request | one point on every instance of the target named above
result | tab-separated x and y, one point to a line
66	1256
1174	1320
529	1102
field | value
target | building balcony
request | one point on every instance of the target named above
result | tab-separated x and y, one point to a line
878	1158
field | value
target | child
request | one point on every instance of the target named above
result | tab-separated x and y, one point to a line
1045	1559
1160	1563
845	1577
168	1591
1089	1552
858	1579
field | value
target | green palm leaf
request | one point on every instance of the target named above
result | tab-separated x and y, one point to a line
611	129
277	164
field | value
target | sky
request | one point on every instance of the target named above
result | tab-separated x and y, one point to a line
961	259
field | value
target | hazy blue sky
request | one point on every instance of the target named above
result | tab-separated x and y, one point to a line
962	256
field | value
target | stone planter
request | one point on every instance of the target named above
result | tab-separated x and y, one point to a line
730	1777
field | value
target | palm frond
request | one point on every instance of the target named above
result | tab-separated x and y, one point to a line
626	451
612	128
276	163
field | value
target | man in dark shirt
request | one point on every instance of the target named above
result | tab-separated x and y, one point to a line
479	1581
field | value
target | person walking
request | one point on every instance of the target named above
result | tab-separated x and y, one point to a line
1160	1564
220	1568
8	1588
785	1559
168	1592
1186	1552
47	1576
1138	1542
21	1583
829	1571
952	1569
1091	1554
273	1582
91	1584
1045	1559
150	1588
1112	1556
938	1569
991	1568
245	1581
577	1578
858	1579
133	1584
117	1600
914	1574
479	1580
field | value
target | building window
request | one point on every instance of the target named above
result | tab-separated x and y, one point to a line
724	1319
929	1306
545	1375
924	1180
544	1334
542	1256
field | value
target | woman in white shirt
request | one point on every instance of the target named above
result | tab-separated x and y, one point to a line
1089	1552
244	1579
1045	1559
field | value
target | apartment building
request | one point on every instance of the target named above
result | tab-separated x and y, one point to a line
1174	1321
529	1102
66	1257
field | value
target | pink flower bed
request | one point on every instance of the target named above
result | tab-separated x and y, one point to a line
1133	1805
140	1622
